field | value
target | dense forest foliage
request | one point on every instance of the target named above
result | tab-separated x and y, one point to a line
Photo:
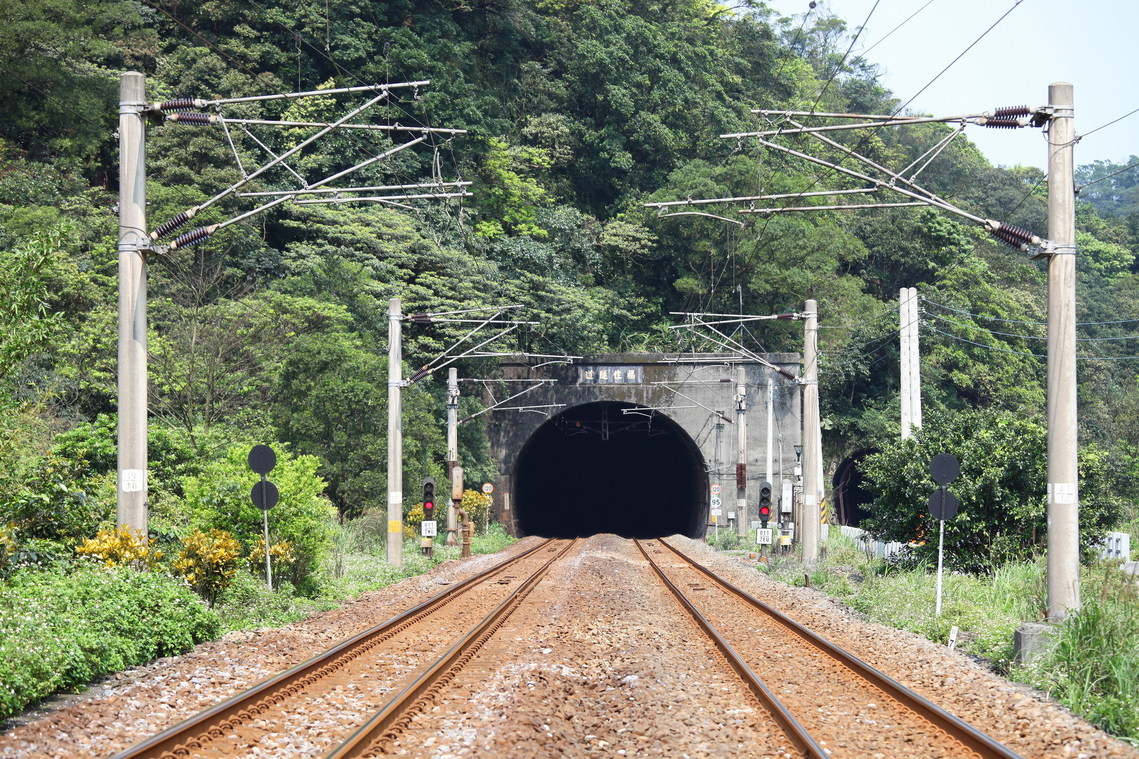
577	114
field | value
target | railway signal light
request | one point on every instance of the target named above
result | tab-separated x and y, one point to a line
428	498
764	503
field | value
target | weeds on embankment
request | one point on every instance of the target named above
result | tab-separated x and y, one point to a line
1091	667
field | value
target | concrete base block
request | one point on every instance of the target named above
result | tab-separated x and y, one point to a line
1030	641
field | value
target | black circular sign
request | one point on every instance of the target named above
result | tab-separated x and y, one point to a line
262	459
944	468
943	504
265	495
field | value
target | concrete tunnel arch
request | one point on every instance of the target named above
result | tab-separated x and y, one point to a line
594	469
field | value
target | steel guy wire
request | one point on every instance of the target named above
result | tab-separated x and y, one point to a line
1109	176
1016	321
1121	118
838	66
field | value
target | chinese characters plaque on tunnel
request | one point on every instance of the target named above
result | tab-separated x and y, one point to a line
610	375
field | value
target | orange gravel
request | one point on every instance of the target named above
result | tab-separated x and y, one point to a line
604	665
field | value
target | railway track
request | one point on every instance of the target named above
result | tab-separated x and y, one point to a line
370	679
402	686
829	703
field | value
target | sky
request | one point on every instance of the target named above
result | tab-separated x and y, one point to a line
1088	43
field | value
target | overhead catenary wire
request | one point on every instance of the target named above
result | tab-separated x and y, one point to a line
1019	321
833	167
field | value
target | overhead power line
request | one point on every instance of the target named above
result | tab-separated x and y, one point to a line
1113	121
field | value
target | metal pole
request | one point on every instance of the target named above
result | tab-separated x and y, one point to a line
811	435
265	524
1063	481
395	435
132	248
768	474
904	384
914	324
940	558
452	447
741	451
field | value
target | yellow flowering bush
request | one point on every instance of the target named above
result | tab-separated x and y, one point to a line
120	547
413	519
477	504
282	557
208	561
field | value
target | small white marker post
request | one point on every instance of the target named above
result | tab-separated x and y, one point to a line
940	563
942	505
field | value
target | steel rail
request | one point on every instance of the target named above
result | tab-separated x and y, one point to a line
972	738
368	739
803	742
181	737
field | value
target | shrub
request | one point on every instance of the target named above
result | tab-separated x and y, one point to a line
121	547
1001	490
413	520
281	559
208	561
53	505
7	548
219	499
477	504
59	630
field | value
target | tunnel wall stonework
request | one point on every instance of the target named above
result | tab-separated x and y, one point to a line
687	388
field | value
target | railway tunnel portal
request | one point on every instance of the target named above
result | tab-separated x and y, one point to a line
640	445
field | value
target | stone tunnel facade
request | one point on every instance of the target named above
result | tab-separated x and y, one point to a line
641	445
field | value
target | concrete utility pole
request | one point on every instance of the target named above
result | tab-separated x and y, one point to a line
134	243
904	361
741	452
811	435
452	448
915	360
910	360
1063	480
395	434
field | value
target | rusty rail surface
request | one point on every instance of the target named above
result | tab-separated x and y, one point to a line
182	739
803	742
389	722
971	739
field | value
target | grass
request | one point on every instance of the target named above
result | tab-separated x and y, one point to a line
1092	667
358	564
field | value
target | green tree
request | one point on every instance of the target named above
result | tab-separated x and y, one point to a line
219	499
334	406
59	61
28	321
1001	490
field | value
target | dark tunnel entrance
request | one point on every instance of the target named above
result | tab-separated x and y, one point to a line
851	498
593	469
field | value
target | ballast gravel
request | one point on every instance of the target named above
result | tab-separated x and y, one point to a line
125	708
